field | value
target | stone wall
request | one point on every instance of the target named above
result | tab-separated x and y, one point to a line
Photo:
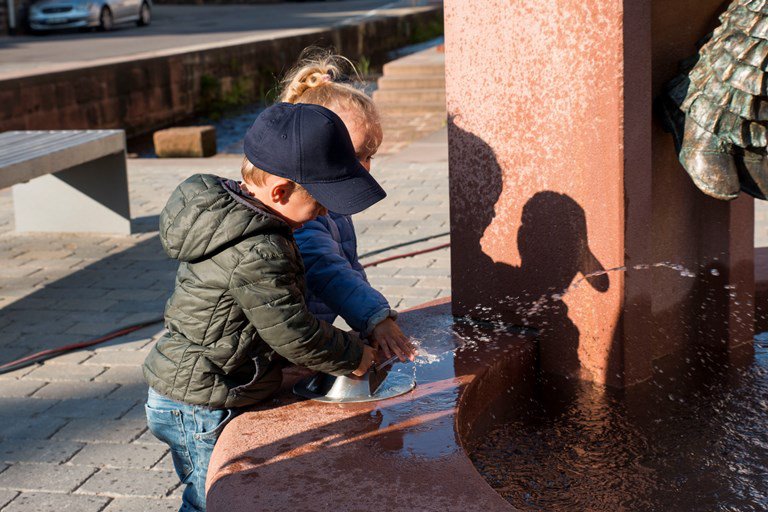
146	94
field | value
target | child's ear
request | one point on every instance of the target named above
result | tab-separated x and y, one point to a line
281	191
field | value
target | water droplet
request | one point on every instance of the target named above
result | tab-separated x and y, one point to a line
714	272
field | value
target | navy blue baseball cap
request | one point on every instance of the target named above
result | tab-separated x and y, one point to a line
310	145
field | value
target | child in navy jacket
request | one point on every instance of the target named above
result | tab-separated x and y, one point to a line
334	275
336	281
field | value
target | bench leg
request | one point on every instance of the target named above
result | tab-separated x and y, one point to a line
91	198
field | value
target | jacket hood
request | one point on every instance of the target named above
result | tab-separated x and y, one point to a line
202	216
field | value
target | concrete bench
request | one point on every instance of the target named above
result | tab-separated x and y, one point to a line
67	181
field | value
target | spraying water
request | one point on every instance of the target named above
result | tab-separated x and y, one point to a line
483	331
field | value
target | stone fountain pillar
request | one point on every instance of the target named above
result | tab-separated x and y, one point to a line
559	169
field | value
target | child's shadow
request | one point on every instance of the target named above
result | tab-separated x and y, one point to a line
553	248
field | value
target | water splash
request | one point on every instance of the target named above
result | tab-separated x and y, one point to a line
424	355
469	332
530	310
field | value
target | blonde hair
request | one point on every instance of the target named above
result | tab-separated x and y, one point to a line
319	78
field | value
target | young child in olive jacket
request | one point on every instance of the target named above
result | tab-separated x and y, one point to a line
239	295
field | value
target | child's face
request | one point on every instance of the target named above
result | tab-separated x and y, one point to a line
361	138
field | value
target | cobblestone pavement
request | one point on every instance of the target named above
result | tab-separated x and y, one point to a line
72	430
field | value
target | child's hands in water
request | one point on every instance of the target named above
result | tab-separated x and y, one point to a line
366	362
388	338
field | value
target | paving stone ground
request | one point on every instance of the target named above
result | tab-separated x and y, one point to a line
72	430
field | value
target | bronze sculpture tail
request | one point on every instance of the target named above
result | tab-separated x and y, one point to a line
717	108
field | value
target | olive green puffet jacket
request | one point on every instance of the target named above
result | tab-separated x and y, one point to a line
238	300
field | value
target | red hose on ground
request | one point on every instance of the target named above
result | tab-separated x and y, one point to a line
41	356
406	255
47	354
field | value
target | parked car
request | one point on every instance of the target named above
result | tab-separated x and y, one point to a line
102	14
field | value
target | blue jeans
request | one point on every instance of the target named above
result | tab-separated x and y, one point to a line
191	431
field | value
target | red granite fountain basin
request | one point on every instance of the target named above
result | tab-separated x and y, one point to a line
401	454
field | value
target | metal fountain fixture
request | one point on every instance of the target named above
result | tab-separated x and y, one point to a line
377	384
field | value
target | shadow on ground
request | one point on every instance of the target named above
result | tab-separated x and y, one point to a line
94	394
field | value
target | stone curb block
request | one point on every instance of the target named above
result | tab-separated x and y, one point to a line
187	141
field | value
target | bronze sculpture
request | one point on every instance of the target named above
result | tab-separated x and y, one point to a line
718	108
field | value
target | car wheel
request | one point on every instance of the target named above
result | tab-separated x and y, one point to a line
106	21
145	15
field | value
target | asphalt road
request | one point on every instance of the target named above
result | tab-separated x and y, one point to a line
182	26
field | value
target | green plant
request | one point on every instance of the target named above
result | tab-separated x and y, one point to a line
240	92
364	66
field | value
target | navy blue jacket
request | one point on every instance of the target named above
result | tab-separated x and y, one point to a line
336	281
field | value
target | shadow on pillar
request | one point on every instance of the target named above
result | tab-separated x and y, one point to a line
553	247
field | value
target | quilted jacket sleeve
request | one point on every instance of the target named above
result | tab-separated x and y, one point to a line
266	285
337	282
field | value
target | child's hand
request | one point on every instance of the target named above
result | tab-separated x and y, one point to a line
366	362
388	337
